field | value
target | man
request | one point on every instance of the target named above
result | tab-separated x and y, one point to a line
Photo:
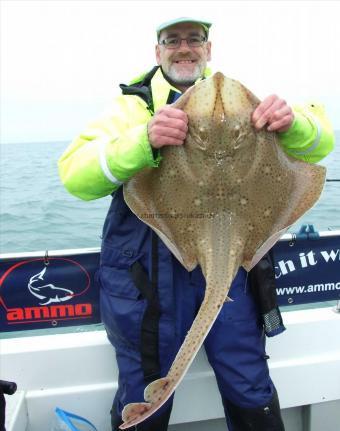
148	300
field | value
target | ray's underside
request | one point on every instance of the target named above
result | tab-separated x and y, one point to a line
220	201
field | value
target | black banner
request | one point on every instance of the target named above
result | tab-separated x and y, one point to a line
307	270
42	292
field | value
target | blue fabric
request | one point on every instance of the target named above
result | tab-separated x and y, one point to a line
235	345
176	96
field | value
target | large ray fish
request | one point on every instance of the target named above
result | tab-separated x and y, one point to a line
220	201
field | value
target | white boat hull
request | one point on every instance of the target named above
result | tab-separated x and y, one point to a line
77	372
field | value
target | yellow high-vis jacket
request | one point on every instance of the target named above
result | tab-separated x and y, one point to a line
116	146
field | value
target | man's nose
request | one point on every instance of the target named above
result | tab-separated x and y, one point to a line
184	46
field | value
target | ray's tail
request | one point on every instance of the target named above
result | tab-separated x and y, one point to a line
219	264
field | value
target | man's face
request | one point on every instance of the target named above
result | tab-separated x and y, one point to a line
185	64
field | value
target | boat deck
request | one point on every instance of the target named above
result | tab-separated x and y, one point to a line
77	372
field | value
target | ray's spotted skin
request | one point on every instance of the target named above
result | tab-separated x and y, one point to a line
221	200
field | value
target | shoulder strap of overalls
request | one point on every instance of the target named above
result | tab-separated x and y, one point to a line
148	288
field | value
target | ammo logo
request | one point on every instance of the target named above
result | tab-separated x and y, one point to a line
33	291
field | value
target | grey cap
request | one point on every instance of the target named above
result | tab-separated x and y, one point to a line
206	25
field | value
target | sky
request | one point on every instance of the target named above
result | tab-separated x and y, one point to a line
62	61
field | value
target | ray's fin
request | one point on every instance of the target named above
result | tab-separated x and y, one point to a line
133	411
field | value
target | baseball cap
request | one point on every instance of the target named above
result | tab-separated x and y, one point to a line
205	24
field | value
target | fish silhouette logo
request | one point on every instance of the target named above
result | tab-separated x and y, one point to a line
47	293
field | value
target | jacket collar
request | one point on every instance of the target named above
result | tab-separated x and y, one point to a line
161	88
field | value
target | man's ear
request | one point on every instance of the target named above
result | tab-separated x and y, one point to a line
158	54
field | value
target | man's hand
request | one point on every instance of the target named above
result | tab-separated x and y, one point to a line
273	112
169	126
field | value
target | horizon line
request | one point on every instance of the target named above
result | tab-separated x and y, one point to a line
58	141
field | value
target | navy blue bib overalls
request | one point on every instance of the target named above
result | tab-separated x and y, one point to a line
235	346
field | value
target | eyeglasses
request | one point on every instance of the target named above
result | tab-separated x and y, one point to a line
175	42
